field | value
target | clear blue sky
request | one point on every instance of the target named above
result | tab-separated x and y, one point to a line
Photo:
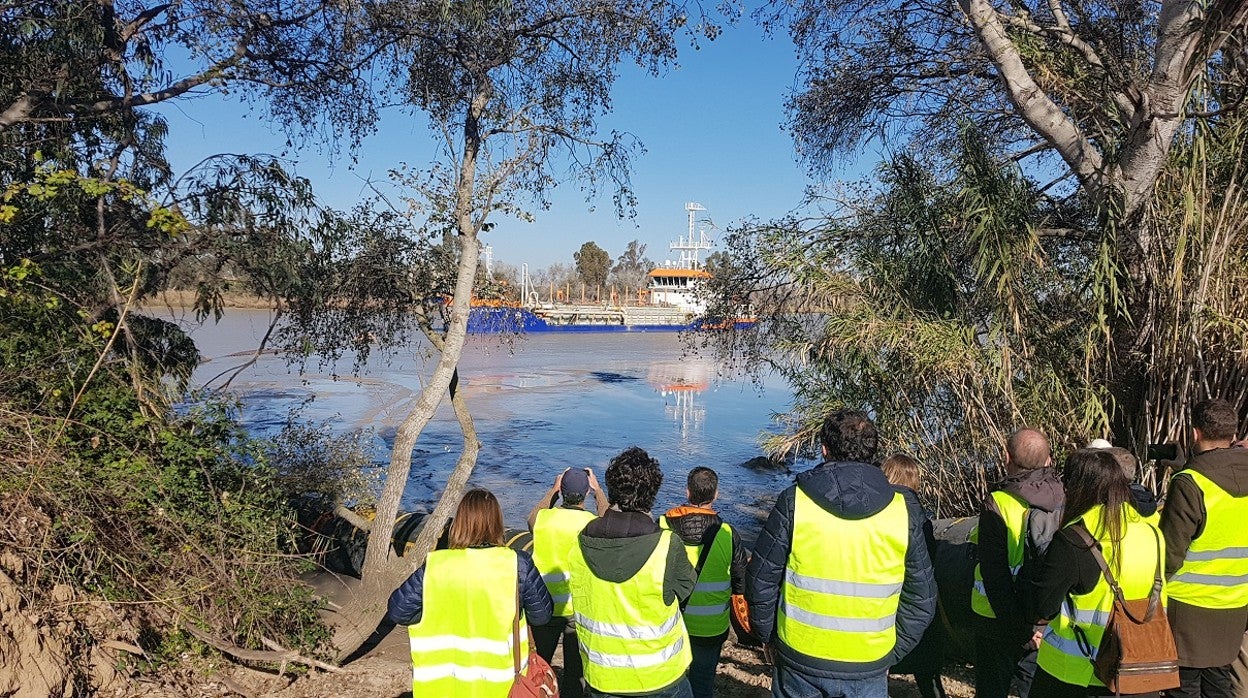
712	129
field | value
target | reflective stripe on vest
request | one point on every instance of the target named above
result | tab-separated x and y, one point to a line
462	644
1060	653
842	582
706	614
554	534
631	641
1014	513
1214	573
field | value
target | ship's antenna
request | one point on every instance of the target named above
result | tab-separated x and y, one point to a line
691	247
487	251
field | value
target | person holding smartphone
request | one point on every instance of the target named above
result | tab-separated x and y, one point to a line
555	527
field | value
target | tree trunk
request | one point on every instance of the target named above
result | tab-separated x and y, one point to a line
382	571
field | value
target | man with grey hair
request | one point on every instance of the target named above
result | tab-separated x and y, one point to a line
1142	498
1017	521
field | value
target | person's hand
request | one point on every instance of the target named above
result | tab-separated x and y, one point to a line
1036	638
593	481
559	479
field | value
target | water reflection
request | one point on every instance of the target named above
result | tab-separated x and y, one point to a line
680	383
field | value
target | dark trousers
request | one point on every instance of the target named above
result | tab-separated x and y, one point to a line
999	661
546	637
680	689
786	683
702	669
1214	682
1047	686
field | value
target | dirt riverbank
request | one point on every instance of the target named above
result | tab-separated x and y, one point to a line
383	670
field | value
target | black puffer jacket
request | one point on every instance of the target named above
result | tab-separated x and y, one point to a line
850	491
691	524
407	603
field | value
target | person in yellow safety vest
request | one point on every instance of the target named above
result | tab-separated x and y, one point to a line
460	606
709	538
554	532
927	659
840	583
1022	513
1207	553
628	578
1068	589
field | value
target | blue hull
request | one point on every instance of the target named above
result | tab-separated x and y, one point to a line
487	320
516	320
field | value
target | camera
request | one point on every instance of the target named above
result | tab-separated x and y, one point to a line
1169	451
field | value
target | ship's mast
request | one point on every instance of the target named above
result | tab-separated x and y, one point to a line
691	247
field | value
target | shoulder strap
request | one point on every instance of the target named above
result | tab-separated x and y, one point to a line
1154	596
515	624
708	541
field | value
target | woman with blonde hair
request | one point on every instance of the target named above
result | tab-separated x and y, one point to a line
460	607
926	660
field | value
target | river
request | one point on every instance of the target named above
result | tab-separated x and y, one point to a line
541	403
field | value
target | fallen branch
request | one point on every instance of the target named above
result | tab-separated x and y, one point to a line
278	654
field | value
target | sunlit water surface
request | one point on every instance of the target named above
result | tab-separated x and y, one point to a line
541	403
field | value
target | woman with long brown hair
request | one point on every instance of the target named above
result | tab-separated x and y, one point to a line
1069	590
460	607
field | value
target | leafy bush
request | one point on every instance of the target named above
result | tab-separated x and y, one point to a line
171	518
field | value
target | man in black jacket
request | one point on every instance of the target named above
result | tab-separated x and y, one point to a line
840	581
1207	554
1017	522
721	575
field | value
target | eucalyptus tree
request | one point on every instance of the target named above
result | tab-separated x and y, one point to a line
1079	104
631	267
512	92
593	264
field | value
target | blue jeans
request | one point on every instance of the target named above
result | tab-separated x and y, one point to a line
702	670
680	689
786	683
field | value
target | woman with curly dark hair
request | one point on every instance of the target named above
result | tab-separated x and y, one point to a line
628	578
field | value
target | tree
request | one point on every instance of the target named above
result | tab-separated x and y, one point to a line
76	63
592	264
929	299
505	86
632	267
1089	96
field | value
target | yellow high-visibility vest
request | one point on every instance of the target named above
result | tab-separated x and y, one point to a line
631	640
554	534
462	645
706	614
843	582
1214	573
1014	513
1060	653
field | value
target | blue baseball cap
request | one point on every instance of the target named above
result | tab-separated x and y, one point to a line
575	482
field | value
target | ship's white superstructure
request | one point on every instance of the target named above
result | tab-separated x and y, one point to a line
676	283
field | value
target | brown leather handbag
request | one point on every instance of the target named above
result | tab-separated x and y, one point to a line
540	680
1137	653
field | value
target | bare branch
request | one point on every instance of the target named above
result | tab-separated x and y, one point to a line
1033	104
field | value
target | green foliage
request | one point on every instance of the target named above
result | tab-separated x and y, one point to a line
168	516
958	302
592	264
938	307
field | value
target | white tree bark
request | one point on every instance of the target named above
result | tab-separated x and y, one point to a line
383	571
